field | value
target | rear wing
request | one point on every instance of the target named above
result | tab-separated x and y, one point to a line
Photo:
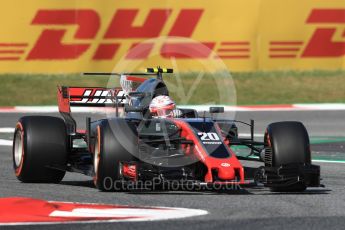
102	97
97	96
89	97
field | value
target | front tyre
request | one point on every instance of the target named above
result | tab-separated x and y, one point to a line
287	153
40	143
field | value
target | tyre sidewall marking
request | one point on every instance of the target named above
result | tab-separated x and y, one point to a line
19	168
96	164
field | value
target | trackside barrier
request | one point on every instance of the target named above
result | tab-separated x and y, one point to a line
74	36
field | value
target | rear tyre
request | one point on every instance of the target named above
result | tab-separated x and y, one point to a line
110	150
288	143
40	143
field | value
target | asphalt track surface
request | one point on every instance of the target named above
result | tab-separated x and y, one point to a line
249	208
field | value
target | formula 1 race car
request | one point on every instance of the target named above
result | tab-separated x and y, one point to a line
137	146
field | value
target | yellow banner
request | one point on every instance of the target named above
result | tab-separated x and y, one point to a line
64	36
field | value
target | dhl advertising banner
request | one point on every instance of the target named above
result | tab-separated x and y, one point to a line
65	36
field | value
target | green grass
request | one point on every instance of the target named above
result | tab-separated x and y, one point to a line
251	88
40	89
290	87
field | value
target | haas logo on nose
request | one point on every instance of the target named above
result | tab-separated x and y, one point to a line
225	165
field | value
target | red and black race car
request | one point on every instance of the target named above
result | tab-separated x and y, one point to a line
137	147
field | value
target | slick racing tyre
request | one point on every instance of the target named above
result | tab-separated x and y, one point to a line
40	143
110	151
287	143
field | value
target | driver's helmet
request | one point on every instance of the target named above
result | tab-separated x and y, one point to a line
162	107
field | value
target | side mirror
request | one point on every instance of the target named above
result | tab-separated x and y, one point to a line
216	109
133	109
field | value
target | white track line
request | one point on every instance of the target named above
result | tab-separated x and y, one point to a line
7	130
5	142
329	161
321	106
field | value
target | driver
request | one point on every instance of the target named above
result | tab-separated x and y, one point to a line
163	107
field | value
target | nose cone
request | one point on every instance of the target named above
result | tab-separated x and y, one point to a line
226	173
